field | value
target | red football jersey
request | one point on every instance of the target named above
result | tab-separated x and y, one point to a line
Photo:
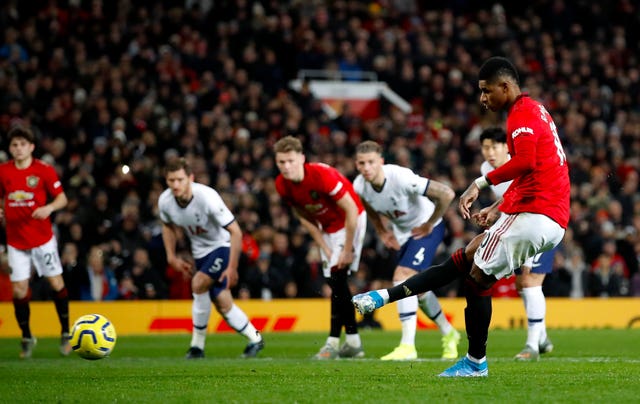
317	195
22	192
538	164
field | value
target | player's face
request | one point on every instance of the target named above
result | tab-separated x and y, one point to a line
369	165
291	165
20	149
493	96
180	184
494	152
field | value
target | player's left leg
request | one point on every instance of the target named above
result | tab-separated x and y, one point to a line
238	320
450	336
529	280
407	309
47	263
342	311
61	301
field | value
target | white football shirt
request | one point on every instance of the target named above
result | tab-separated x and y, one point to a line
500	189
401	199
203	219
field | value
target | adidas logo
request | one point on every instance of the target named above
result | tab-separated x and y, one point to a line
407	291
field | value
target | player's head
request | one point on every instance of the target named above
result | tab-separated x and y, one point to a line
369	161
21	143
498	82
289	158
494	146
179	177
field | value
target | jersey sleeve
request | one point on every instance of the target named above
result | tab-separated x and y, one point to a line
410	182
217	209
332	183
52	183
523	132
358	185
162	209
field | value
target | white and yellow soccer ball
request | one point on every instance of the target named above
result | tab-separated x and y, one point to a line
93	336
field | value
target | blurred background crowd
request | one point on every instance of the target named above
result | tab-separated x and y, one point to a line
115	89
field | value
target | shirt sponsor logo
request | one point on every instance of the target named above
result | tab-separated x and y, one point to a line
20	195
519	131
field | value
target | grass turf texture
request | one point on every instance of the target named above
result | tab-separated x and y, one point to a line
586	366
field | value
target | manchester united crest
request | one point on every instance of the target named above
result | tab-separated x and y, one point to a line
32	181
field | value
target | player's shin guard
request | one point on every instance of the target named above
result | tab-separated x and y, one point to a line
61	300
23	312
432	278
477	316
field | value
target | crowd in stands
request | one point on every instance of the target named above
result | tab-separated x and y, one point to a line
115	89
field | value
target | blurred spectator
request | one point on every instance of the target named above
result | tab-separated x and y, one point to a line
607	276
179	282
141	281
264	280
102	284
559	282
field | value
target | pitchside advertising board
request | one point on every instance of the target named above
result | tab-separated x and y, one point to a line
312	315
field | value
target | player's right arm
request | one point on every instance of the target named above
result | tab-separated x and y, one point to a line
313	230
386	235
170	240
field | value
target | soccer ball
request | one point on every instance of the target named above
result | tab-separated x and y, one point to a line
93	336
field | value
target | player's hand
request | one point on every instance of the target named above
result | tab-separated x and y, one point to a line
486	217
181	265
421	231
345	259
42	212
231	275
467	199
390	241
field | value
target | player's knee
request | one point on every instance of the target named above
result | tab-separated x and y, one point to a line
200	283
531	280
403	273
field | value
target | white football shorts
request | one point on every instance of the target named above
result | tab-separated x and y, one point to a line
513	239
336	243
45	259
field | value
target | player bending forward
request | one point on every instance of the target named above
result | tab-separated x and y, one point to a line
414	205
215	244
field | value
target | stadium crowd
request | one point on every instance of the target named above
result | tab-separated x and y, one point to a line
115	89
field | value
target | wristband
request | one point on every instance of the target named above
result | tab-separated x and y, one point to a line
481	182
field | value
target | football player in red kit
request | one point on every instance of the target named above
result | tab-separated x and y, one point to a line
531	219
31	191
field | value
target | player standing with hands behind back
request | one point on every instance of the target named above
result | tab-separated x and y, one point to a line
216	239
532	217
25	185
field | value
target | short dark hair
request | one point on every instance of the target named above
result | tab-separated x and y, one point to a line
21	132
177	165
498	66
496	134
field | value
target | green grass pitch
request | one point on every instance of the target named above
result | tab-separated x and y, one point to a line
586	366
